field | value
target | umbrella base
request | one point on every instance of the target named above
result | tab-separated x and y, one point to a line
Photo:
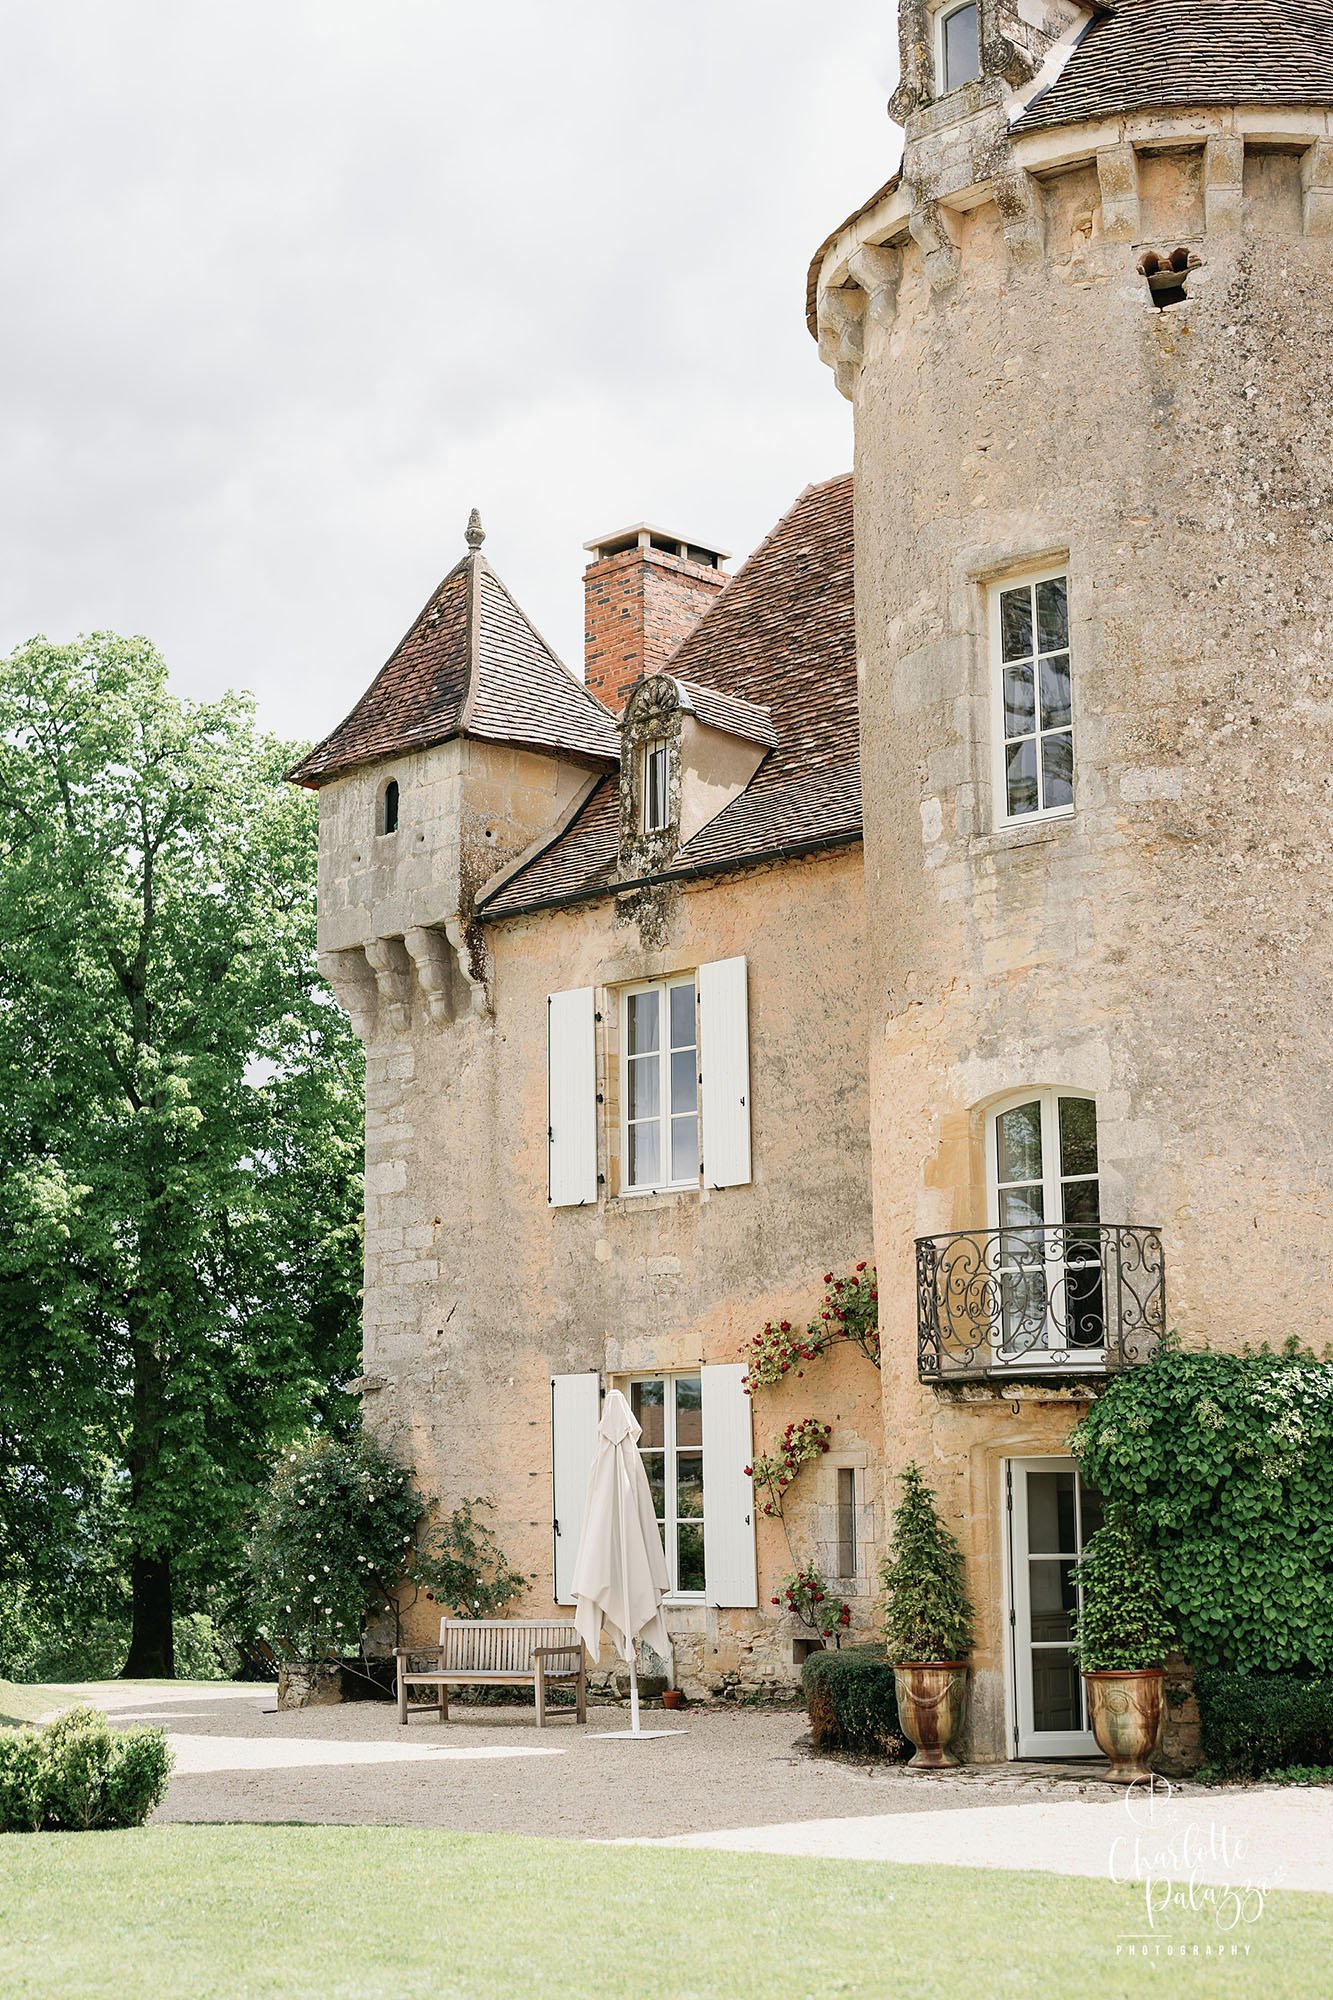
634	1735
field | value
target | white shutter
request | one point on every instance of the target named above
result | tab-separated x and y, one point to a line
576	1408
729	1568
571	1098
724	1059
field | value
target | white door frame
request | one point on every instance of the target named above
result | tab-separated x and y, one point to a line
1024	1740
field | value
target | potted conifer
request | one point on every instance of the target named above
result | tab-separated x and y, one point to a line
1123	1635
927	1625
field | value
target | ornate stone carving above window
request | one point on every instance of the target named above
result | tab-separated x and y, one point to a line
652	718
687	753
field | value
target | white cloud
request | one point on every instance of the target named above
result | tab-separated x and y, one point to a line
292	286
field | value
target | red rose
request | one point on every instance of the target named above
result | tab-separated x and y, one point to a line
828	1277
860	1267
773	1600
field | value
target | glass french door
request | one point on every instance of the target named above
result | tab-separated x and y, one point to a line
1051	1513
1046	1214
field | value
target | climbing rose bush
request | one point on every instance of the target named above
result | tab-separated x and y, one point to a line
804	1593
850	1311
774	1471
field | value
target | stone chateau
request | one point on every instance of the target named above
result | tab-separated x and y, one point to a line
947	888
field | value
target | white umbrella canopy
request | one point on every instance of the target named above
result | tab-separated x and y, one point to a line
620	1573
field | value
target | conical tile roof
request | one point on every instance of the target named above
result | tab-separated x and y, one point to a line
471	664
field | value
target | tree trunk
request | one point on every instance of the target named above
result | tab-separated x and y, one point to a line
151	1655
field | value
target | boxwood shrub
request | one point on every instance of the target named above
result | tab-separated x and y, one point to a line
79	1774
1257	1724
850	1699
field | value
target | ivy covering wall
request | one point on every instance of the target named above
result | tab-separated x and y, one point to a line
1227	1461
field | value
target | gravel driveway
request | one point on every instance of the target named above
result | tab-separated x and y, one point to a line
733	1779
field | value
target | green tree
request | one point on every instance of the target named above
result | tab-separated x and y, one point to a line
180	1148
927	1613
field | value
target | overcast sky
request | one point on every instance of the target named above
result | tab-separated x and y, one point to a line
290	287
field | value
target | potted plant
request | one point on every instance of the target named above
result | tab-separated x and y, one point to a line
1123	1634
927	1625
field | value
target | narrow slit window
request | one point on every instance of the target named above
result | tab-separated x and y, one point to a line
390	808
846	1521
1034	726
655	768
960	47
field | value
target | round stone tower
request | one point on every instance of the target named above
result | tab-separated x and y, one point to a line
1087	332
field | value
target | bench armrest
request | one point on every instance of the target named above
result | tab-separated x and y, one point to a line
418	1652
574	1652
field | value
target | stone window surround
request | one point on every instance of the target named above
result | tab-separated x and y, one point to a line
652	714
978	573
939	12
1001	819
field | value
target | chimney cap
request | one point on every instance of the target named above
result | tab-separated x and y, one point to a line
645	535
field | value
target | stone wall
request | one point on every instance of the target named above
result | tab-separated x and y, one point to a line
477	1292
1020	403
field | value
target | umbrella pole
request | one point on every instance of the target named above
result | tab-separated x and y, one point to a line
634	1696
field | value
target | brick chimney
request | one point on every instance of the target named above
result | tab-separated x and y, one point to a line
643	591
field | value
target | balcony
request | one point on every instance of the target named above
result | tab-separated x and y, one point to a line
1035	1303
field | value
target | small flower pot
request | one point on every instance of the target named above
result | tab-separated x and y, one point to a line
1127	1711
932	1700
672	1698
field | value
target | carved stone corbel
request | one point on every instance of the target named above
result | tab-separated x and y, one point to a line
388	960
437	968
1223	182
877	269
842	332
1019	204
933	237
1317	188
1118	180
353	986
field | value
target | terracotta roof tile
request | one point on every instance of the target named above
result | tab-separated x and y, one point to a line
1160	52
781	637
745	719
471	663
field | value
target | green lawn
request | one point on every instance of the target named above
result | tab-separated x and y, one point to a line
365	1913
23	1704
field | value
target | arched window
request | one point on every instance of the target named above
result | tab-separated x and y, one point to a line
1046	1211
389	809
958	53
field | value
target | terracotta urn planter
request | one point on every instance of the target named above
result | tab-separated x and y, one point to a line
1127	1711
932	1699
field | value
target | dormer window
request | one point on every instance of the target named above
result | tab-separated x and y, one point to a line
389	808
656	807
958	50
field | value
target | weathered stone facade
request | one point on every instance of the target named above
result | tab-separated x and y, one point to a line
1023	405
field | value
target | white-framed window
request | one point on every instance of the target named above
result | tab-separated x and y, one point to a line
958	46
1052	1515
659	1085
656	771
1045	1203
669	1411
1033	698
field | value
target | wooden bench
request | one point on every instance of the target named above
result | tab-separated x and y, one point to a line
496	1652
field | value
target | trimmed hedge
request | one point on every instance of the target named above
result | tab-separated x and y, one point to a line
78	1775
1256	1724
850	1699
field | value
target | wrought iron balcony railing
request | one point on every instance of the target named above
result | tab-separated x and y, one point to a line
1038	1301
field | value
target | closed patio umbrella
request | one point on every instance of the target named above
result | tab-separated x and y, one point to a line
620	1573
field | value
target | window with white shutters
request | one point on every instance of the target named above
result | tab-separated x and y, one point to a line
695	1440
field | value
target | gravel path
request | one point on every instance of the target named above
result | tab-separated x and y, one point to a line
734	1779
